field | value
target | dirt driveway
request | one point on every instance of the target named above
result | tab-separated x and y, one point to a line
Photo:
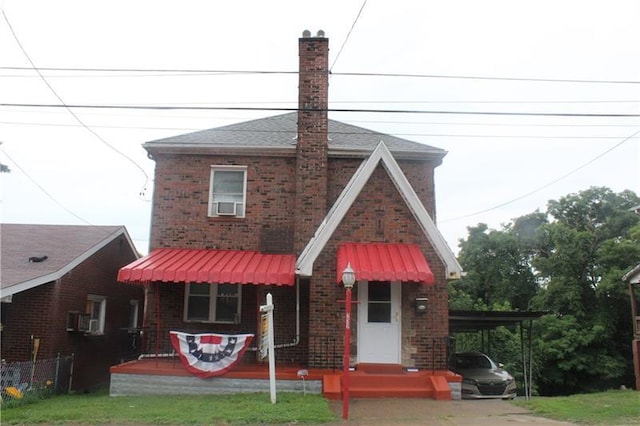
439	413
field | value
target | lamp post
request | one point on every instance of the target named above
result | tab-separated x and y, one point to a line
348	279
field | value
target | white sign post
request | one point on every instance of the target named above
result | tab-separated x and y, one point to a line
268	308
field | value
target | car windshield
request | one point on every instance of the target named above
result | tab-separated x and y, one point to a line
473	361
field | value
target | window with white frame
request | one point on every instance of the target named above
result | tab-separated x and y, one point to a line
212	303
96	308
227	194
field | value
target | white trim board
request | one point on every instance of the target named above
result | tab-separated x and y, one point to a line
304	264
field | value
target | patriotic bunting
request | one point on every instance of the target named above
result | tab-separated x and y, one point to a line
209	355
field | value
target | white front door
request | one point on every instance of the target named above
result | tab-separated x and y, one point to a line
379	322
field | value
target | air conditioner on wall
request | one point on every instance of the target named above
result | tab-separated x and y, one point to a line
94	326
225	208
78	322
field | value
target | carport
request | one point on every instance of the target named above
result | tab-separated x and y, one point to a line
485	321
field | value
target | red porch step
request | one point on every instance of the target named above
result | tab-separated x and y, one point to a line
388	381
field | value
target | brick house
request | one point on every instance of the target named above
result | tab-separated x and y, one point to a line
60	296
281	205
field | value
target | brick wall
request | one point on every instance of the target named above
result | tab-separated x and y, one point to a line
171	304
287	198
312	143
181	197
41	312
379	214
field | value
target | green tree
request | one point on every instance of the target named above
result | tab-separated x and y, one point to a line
568	261
498	269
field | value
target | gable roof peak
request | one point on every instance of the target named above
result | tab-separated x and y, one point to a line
381	154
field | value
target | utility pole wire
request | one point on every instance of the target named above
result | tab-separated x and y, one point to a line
15	36
597	157
51	197
293	109
347	37
347	74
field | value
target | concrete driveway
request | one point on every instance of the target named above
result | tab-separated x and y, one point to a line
429	412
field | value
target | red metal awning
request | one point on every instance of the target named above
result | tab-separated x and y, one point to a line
211	266
384	262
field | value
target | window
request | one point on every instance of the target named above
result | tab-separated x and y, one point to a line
227	195
96	309
133	313
379	306
212	303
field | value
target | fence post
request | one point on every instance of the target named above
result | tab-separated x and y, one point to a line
71	372
55	380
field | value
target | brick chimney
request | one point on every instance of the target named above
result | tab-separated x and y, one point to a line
312	143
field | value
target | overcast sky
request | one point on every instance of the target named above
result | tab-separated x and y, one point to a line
538	64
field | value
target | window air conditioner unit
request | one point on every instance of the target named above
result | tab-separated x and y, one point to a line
83	322
225	208
93	326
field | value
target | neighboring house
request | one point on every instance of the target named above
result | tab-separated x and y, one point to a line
633	278
281	205
59	289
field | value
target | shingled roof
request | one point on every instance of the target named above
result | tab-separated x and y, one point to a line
33	255
277	134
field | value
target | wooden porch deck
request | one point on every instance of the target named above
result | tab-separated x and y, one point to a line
169	376
171	366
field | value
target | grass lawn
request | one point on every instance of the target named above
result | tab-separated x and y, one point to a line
99	407
619	407
606	408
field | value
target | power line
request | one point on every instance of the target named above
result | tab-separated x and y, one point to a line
68	108
346	74
100	113
293	109
597	157
364	3
439	135
51	197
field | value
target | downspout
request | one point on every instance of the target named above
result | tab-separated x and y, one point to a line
296	340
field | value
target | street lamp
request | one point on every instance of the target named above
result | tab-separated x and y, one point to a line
348	279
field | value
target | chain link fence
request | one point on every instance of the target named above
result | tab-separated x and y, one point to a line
25	381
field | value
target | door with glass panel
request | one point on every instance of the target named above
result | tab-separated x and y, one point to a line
379	322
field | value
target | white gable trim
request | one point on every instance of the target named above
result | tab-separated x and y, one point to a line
56	275
633	276
304	264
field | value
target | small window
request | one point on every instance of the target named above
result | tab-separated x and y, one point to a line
96	308
212	303
133	313
227	195
379	305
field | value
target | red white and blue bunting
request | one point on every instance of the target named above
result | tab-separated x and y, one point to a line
208	355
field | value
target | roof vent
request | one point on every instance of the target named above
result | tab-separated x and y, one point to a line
38	259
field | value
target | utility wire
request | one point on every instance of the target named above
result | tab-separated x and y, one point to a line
293	109
349	74
364	3
196	129
546	185
67	107
409	122
51	197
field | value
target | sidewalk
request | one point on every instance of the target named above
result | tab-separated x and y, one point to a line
389	412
